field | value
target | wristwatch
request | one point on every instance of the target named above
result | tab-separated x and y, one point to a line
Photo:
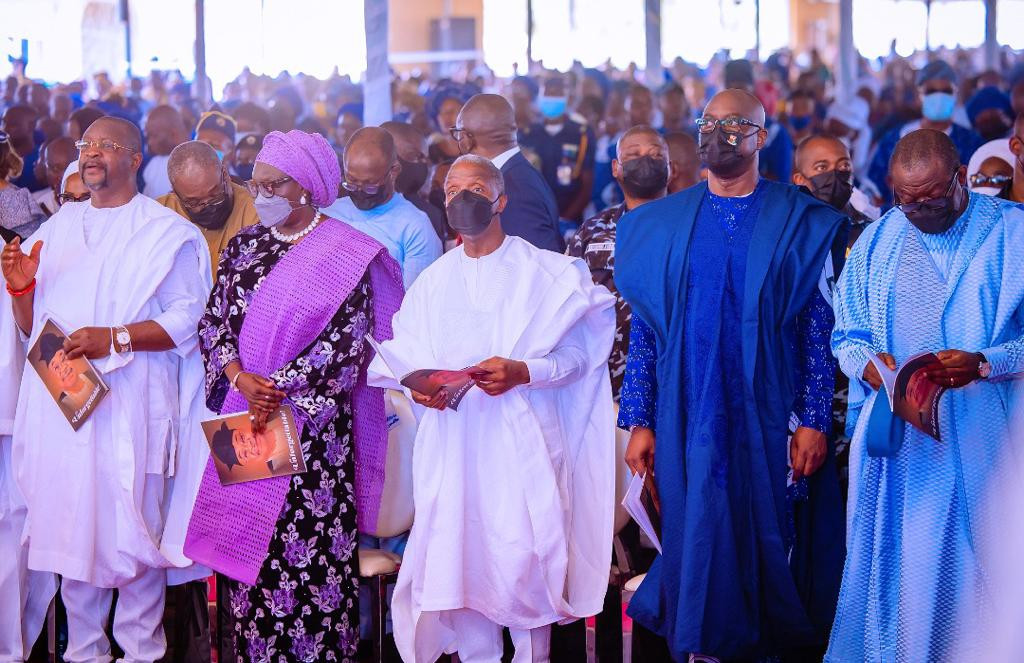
122	339
984	367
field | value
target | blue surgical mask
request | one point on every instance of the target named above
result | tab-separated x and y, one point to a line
938	106
552	107
799	122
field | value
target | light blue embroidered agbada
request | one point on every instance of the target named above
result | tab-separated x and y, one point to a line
913	573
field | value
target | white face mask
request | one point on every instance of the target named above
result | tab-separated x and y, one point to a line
273	210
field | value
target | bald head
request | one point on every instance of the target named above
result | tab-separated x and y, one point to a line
56	156
488	124
640	134
410	143
736	103
371	144
119	130
193	158
922	150
682	152
165	130
820	149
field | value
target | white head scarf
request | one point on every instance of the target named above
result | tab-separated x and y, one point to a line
999	148
71	170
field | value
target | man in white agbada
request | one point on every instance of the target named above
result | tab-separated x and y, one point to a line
514	491
24	595
128	280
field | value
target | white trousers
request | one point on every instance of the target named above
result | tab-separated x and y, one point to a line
138	620
24	595
479	640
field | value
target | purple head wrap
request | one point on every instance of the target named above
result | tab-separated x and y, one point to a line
308	159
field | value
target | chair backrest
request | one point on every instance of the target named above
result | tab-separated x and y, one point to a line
622	475
396	503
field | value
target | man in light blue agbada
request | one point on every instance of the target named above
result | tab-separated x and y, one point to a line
941	272
374	207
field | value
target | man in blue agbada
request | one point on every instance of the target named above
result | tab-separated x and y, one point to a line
940	272
729	370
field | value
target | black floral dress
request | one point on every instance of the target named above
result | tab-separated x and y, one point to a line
305	605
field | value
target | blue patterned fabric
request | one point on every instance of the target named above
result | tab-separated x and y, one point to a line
638	402
815	374
912	571
722	283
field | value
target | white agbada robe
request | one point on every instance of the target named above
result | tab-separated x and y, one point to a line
113	499
24	595
513	494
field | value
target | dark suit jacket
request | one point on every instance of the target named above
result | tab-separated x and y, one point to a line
7	235
531	212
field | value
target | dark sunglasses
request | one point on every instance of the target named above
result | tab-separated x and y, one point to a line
931	204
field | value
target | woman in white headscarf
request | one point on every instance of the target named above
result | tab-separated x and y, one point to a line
990	170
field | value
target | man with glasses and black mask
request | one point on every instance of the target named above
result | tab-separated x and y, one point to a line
204	194
373	206
940	273
728	394
411	146
514	493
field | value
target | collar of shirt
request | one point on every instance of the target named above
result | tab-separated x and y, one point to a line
502	158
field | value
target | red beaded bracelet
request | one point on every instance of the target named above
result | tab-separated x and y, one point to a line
20	293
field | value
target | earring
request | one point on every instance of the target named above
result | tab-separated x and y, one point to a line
302	200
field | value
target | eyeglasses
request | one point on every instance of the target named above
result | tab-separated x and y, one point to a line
72	198
930	205
456	132
200	205
980	179
729	125
3	137
103	146
369	189
266	189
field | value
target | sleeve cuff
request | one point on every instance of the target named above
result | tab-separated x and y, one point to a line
854	360
540	369
999	359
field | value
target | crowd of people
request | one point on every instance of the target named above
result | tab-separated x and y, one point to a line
731	264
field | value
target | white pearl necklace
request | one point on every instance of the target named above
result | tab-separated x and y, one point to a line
299	235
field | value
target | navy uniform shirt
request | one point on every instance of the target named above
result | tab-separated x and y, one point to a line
562	157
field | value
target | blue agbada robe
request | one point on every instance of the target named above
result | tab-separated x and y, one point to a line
724	584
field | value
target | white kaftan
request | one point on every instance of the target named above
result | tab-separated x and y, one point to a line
113	499
24	595
513	494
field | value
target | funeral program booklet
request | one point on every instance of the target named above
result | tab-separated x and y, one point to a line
241	455
74	384
642	504
912	396
430	381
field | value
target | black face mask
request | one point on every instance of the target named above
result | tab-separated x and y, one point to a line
833	188
412	177
366	201
644	177
721	156
935	216
470	213
214	215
